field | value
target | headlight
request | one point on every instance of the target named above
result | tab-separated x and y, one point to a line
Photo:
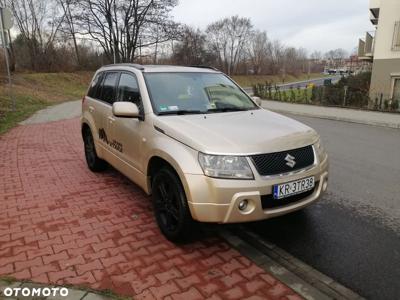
230	167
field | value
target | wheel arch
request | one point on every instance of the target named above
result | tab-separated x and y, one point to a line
156	162
85	126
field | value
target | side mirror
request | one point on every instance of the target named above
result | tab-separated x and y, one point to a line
125	110
257	100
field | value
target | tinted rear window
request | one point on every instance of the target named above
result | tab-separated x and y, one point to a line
94	86
108	90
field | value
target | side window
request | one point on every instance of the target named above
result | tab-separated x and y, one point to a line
94	86
108	90
128	90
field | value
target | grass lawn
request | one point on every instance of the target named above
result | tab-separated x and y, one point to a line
35	91
250	80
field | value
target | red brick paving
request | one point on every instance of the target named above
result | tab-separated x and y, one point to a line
60	223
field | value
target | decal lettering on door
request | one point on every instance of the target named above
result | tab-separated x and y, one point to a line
113	144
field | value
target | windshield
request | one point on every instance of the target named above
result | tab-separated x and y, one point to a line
185	93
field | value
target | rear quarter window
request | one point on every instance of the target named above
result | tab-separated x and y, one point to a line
94	86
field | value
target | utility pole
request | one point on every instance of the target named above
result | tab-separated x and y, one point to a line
156	49
4	42
140	50
345	95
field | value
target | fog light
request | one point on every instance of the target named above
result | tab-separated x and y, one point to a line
243	204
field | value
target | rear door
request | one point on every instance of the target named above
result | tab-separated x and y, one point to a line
92	106
104	108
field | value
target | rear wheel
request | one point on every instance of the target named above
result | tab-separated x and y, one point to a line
94	163
170	206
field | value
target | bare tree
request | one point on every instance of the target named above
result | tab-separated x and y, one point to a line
38	22
191	47
316	56
120	27
277	58
227	38
69	8
336	57
259	51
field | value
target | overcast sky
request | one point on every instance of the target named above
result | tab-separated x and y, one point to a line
312	24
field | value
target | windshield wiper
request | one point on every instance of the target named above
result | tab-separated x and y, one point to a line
181	112
227	109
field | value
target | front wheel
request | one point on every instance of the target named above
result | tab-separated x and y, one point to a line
170	206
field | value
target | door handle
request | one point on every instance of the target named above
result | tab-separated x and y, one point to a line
111	119
91	109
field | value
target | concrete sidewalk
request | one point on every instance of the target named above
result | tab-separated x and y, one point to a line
391	120
63	111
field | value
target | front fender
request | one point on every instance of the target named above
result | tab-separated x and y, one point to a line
180	156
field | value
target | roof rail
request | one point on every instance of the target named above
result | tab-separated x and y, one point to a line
136	66
204	67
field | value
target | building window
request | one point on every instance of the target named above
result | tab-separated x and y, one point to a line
396	37
396	89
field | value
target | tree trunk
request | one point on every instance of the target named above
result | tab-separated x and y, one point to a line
78	59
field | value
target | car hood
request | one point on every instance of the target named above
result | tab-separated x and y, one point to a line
237	133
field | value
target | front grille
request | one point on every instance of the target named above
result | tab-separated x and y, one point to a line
276	163
268	201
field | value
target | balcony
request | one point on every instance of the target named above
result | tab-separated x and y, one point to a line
374	20
366	47
374	8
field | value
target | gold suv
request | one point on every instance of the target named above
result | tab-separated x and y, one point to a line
196	142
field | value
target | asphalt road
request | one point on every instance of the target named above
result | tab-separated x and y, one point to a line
303	84
353	233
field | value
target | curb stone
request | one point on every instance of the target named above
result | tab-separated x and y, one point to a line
379	124
300	277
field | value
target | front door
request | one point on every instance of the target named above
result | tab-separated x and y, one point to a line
127	132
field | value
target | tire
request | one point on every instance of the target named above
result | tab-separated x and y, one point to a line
170	206
94	163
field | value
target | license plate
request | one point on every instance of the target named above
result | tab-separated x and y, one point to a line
293	188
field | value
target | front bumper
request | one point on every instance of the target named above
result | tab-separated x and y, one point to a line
217	200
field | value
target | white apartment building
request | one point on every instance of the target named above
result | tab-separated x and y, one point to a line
382	48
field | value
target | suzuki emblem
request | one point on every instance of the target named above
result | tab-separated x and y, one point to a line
290	160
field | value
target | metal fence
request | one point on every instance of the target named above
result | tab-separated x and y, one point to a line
327	95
